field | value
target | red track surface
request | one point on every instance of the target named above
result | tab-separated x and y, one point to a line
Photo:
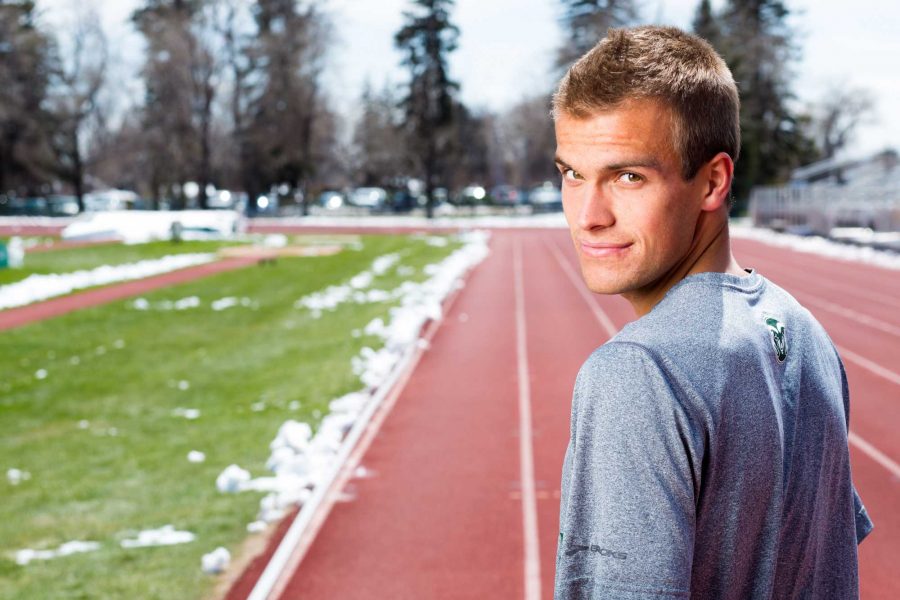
442	515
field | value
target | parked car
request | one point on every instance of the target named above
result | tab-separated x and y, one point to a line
331	199
471	195
545	197
62	206
506	195
369	197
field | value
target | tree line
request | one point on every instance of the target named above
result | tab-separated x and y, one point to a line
233	98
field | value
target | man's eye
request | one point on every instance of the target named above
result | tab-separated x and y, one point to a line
570	174
630	178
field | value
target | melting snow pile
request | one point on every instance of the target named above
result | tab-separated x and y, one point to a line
193	302
216	561
23	557
300	460
166	535
333	296
35	288
138	226
817	245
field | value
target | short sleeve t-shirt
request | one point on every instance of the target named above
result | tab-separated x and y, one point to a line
708	455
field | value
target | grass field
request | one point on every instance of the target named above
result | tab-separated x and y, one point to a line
89	257
88	404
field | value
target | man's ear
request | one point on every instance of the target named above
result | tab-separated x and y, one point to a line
717	174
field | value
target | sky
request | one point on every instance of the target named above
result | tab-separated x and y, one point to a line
506	50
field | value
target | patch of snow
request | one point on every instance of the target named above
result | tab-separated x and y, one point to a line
232	479
258	406
166	535
17	476
256	526
40	374
23	557
141	304
37	287
817	245
139	226
215	561
223	303
187	413
75	360
186	303
184	385
84	424
195	456
333	296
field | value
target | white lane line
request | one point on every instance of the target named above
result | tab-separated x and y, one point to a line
599	313
526	450
875	454
867	364
849	313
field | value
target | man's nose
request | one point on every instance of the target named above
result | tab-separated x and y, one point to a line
596	210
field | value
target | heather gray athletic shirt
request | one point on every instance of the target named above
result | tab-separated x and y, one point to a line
708	455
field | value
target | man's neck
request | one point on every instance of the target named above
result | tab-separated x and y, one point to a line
710	252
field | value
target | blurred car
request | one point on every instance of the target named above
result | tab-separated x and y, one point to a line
62	206
471	195
545	197
506	195
369	197
331	199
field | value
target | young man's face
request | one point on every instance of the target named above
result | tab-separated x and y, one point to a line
632	216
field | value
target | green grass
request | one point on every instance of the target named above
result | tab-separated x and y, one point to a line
67	260
90	485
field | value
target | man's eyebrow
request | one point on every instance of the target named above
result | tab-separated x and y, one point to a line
642	163
557	160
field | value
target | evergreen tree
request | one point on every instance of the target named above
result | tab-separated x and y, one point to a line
25	72
705	24
757	42
426	39
586	23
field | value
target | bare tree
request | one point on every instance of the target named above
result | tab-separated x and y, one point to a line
74	99
838	116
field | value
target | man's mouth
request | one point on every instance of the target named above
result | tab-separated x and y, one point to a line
603	249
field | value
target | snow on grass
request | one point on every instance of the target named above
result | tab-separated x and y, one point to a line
23	557
16	476
193	302
299	460
817	245
35	288
166	535
215	561
187	413
195	456
333	296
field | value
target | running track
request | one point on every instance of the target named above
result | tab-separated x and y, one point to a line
460	504
453	511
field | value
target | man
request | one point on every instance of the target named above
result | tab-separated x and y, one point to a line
708	454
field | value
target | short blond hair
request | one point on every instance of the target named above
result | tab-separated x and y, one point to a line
665	64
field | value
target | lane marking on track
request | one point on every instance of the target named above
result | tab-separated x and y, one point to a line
601	316
867	364
875	454
849	313
526	450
